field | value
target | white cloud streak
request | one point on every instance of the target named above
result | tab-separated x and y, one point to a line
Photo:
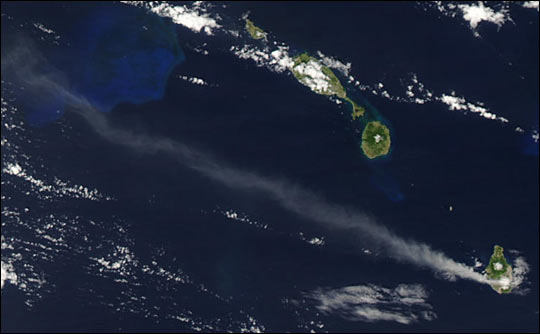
290	196
475	13
335	63
193	18
459	103
8	274
531	4
405	304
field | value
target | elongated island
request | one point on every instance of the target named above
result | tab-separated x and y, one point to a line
499	271
254	31
320	79
310	72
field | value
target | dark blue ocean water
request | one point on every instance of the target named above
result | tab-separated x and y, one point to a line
266	122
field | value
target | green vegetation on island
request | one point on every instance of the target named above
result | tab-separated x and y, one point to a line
375	139
310	72
358	111
254	31
319	78
322	80
499	272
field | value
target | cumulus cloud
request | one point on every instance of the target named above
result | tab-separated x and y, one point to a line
277	60
335	63
531	4
474	13
313	76
8	274
194	17
290	196
459	103
519	274
193	80
44	29
58	188
535	136
405	304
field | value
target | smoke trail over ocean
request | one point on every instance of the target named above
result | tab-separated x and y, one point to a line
291	197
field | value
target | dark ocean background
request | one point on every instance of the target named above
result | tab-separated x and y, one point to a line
266	122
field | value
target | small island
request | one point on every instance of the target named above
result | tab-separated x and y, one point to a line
358	111
499	272
375	139
310	72
321	79
254	31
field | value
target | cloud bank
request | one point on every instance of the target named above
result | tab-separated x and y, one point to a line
405	304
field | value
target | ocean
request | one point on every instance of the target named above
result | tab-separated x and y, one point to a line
454	180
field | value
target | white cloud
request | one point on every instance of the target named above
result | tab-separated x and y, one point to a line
454	102
247	52
535	136
281	59
519	274
194	17
244	218
13	169
335	63
314	77
531	4
42	28
58	188
315	241
476	13
8	274
459	103
51	35
477	263
240	217
416	92
194	80
277	60
121	261
407	303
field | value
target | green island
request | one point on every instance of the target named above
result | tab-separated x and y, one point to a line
321	79
254	31
499	272
375	139
309	71
358	111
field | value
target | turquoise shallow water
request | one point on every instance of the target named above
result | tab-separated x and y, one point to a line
113	54
265	122
124	55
